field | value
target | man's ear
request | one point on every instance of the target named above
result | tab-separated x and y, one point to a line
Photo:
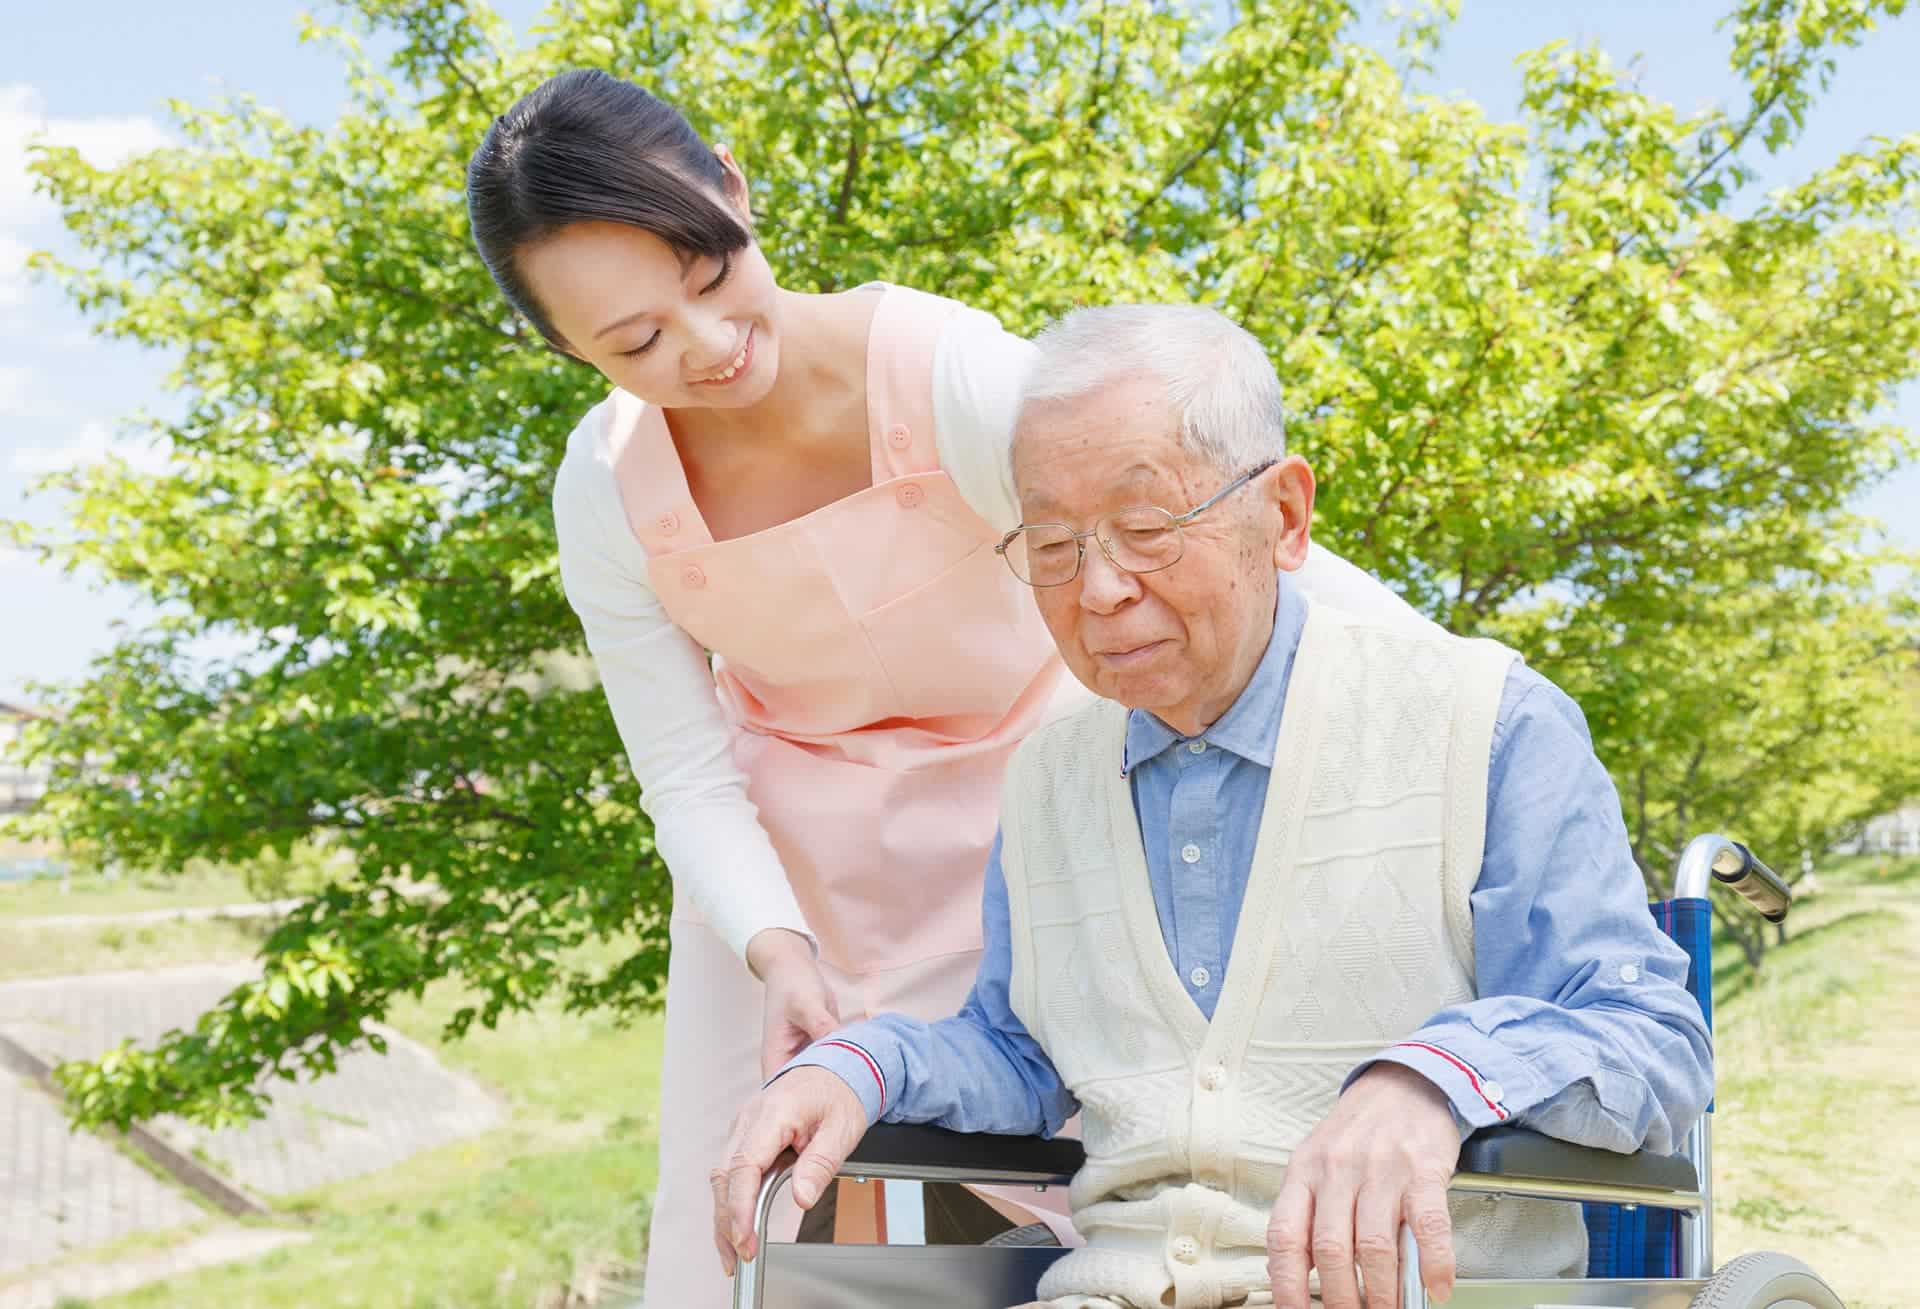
1289	486
736	190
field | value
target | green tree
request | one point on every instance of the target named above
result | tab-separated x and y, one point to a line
1565	382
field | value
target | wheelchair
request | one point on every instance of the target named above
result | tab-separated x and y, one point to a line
1649	1217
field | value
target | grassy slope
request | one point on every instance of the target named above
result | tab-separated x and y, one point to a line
1817	1135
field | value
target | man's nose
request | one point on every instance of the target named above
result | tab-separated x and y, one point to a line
1104	585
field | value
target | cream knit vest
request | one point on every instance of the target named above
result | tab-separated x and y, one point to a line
1356	928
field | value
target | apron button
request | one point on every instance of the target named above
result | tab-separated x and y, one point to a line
910	495
668	523
693	577
899	437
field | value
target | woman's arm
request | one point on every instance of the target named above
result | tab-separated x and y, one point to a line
661	692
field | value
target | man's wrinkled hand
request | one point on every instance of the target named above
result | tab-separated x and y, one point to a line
810	1111
1381	1159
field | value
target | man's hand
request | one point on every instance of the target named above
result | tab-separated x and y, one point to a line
1383	1157
810	1110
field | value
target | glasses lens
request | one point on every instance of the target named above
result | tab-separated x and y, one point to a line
1142	540
1044	556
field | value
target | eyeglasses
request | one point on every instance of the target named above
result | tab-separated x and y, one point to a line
1143	539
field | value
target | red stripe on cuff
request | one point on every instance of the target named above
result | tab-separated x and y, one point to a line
872	1065
1461	1064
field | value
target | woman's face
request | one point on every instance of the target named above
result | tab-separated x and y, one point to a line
677	331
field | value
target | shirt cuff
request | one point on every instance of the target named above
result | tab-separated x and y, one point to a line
853	1064
1484	1085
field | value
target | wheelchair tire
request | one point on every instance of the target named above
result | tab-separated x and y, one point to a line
1764	1279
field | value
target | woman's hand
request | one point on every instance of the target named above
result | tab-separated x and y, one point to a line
800	1007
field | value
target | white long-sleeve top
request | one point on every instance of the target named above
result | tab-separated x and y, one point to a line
656	676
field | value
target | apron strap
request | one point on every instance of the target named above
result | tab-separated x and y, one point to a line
906	330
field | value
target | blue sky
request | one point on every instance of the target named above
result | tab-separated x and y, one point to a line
97	75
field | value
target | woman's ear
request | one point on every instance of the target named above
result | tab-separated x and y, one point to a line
737	192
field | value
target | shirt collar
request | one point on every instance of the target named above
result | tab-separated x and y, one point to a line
1252	722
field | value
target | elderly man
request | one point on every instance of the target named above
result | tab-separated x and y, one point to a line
1302	899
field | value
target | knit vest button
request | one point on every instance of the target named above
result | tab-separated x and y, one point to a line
1186	1250
693	577
668	523
910	495
899	437
1214	1078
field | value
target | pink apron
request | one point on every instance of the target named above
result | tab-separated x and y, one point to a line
876	657
879	664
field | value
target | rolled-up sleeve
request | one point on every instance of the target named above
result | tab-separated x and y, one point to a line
1585	1029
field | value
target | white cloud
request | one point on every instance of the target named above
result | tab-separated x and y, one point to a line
93	444
27	219
13	270
103	142
13	390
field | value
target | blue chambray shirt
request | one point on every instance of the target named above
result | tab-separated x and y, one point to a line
1583	1030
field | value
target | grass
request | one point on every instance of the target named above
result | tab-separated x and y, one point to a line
1817	1134
200	884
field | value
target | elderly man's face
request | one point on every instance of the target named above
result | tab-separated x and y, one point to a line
1183	642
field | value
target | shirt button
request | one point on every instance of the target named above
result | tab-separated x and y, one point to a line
1629	972
1190	852
909	495
1199	977
1196	747
1186	1250
899	437
1214	1078
668	523
1493	1091
693	577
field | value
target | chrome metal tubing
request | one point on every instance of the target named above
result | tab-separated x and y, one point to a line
1715	858
1038	1179
749	1288
1413	1294
1694	873
1696	1228
1542	1188
1692	877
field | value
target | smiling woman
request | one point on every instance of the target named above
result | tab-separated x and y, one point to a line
809	487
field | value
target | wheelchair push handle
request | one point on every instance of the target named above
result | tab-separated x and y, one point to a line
1757	884
1715	858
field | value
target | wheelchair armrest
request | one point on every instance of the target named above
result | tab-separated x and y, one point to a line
1518	1153
934	1154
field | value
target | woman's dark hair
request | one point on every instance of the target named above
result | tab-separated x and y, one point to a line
584	147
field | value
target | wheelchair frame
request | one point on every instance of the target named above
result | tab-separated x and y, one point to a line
1500	1161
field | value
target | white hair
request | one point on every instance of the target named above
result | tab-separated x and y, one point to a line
1221	385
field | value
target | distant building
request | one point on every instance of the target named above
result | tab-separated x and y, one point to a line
1894	833
20	786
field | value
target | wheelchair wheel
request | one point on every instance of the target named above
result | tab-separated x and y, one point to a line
1762	1280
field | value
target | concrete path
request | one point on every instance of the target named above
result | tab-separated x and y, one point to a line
137	917
61	1192
90	1281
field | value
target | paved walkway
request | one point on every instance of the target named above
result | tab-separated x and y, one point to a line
89	1281
139	917
61	1191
